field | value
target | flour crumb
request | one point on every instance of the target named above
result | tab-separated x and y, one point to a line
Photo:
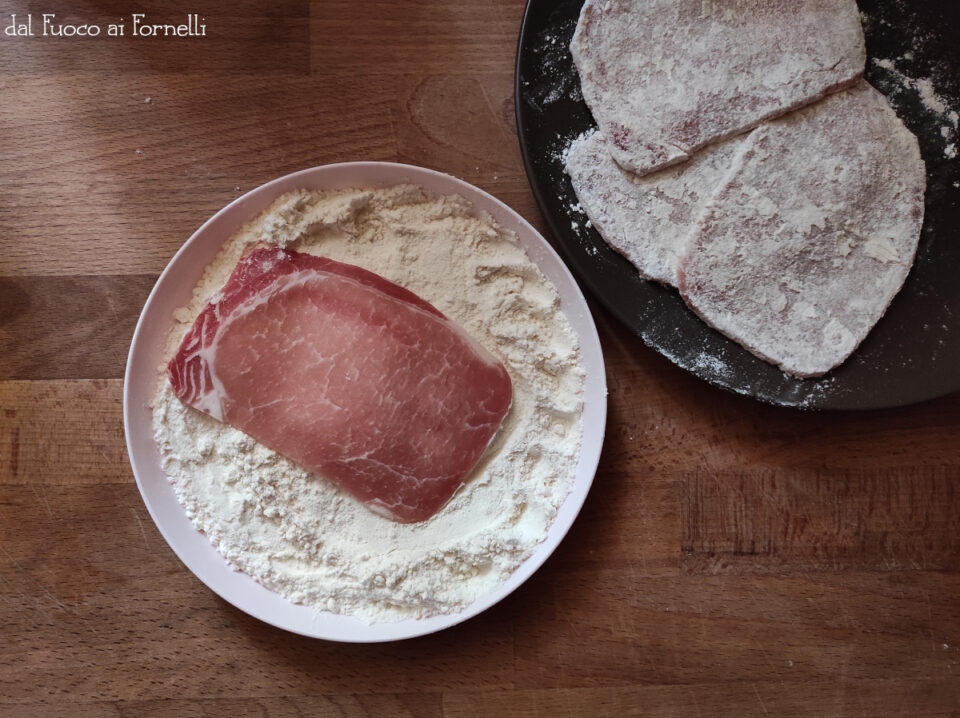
934	104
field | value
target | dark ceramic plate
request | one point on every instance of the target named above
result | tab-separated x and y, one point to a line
912	354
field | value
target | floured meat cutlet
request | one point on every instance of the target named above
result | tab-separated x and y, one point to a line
647	219
811	234
348	375
664	78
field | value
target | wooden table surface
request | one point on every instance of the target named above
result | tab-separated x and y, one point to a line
732	559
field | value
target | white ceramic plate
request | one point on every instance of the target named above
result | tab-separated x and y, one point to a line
174	289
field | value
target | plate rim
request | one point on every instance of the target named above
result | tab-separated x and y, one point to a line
215	574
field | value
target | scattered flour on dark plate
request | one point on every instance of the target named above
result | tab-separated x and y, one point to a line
935	105
918	39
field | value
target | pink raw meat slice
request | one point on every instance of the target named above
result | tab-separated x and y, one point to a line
348	375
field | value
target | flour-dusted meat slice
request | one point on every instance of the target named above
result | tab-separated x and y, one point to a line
348	375
647	219
811	234
666	77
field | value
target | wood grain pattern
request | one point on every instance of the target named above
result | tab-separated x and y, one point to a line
46	439
900	699
411	705
68	327
732	559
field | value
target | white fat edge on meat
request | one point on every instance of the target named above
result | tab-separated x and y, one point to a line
213	399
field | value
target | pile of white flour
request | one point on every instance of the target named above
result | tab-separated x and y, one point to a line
298	534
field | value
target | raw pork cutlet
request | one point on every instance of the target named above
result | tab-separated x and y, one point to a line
647	219
348	375
667	77
811	234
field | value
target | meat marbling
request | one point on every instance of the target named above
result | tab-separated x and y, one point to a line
347	374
